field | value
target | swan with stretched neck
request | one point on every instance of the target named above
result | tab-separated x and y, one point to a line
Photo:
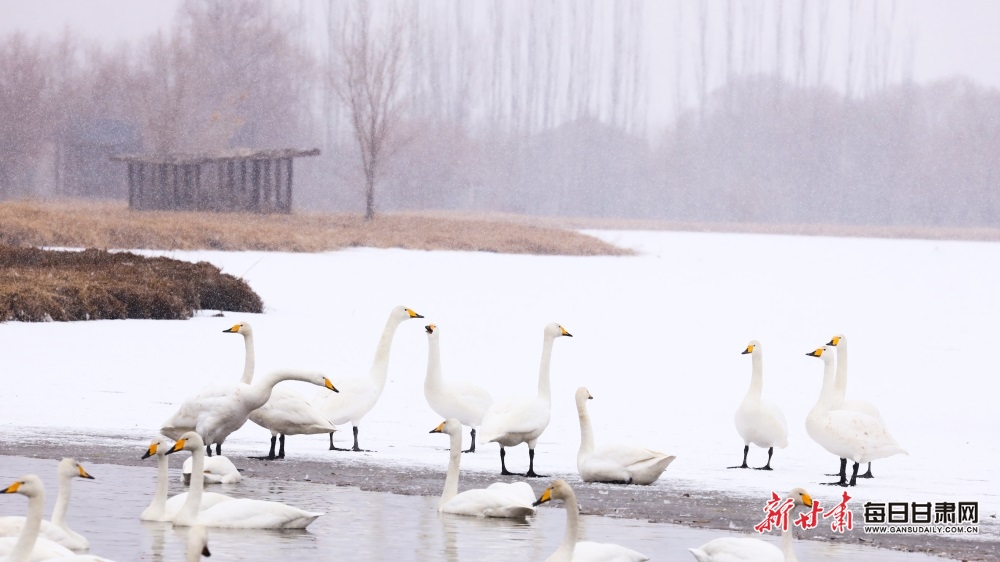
358	396
583	551
238	513
849	434
522	420
621	464
758	421
56	530
840	397
218	411
505	500
460	400
244	329
163	508
746	549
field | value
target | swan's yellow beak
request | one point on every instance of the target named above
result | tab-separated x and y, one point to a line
430	328
546	496
816	353
178	446
413	314
438	429
749	349
151	450
234	330
564	332
329	385
13	488
834	342
807	500
83	473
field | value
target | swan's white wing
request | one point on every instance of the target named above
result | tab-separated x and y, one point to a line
490	502
245	513
209	403
11	525
44	549
862	437
621	463
517	416
208	499
586	551
289	413
861	406
762	423
464	401
737	549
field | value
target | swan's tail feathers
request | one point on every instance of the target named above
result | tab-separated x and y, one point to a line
302	522
700	555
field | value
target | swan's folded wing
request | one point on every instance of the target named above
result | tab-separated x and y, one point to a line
489	503
208	499
10	526
255	514
474	396
517	491
586	550
44	549
191	410
288	412
514	416
737	549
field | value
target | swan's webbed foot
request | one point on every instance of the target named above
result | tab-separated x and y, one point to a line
356	448
770	451
332	448
470	449
531	474
746	450
765	467
531	466
505	472
270	454
867	474
842	483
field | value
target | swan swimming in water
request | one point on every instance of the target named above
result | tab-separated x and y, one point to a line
758	421
163	508
57	530
747	549
460	400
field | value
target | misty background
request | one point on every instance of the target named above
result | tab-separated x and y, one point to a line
770	111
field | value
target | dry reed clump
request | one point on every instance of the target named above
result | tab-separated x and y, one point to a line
85	224
40	285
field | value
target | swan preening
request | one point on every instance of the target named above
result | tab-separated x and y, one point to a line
460	400
219	410
622	464
746	549
582	551
758	421
849	434
500	499
358	396
218	470
237	513
522	420
57	530
163	508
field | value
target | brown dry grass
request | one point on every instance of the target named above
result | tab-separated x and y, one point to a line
85	224
38	285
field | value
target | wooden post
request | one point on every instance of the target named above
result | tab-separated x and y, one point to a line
197	186
139	180
255	184
266	204
288	184
131	185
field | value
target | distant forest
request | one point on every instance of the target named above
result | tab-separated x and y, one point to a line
771	111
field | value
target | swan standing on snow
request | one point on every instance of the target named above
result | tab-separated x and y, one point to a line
584	551
463	401
758	421
238	513
57	530
288	413
622	464
358	396
498	500
846	433
522	420
840	394
746	549
222	409
162	508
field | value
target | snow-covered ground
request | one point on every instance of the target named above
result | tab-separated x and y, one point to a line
657	340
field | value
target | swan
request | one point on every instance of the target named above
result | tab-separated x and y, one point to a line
746	549
510	500
758	421
57	530
583	551
244	329
359	395
197	545
847	433
287	413
614	463
840	392
460	400
522	420
218	470
220	410
238	513
163	508
28	546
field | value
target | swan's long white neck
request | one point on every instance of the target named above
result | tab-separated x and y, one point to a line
454	460
840	385
826	393
29	533
544	388
159	503
189	511
248	361
259	392
433	379
786	545
572	527
62	500
380	364
586	430
757	377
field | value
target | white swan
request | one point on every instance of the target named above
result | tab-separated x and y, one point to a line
510	500
163	508
847	433
460	400
840	395
244	329
218	470
239	513
220	410
28	546
57	530
614	463
288	413
197	545
358	396
758	421
746	549
583	551
522	420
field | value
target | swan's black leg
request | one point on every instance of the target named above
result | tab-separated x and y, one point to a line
270	454
208	450
356	447
746	450
531	466
867	474
854	477
218	449
503	467
843	475
332	448
472	448
281	450
770	451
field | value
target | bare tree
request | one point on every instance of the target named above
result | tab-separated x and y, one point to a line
368	84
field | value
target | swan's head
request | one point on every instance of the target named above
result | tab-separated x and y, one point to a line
582	395
242	328
198	541
554	330
836	340
29	485
558	490
155	448
825	353
402	313
752	347
451	426
800	497
432	331
69	467
190	441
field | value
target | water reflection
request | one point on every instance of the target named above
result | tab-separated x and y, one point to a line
356	526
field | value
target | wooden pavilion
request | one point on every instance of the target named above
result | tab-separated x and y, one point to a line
237	180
